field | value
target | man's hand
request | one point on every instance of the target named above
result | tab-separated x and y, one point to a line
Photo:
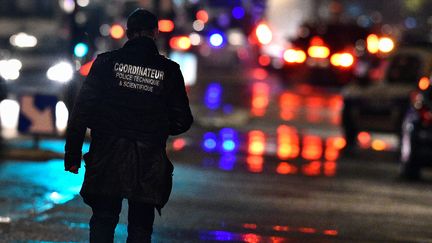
73	169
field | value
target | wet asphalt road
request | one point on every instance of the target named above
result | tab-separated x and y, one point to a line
362	202
263	163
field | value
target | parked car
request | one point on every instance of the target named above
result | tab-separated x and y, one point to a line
380	106
327	53
416	141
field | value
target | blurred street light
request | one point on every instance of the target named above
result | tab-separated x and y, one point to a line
216	39
424	83
23	40
117	31
81	49
60	72
386	44
166	25
294	56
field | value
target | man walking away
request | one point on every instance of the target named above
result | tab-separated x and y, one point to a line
132	100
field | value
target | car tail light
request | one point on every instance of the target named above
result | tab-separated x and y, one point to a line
372	42
294	56
166	25
317	48
180	43
375	44
342	60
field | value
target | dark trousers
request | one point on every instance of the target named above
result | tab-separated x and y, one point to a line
105	217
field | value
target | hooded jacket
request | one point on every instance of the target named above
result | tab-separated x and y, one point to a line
132	100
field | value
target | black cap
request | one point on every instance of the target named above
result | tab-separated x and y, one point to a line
141	19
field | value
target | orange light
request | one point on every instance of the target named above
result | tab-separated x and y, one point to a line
284	129
331	232
259	73
316	41
255	163
424	83
256	142
339	142
288	142
203	16
289	105
379	145
294	56
288	150
181	43
342	60
260	98
285	168
312	147
335	105
333	146
364	139
166	25
184	43
117	31
264	60
314	105
264	34
331	154
386	44
372	42
317	48
276	239
280	228
330	168
85	68
251	238
312	169
318	51
315	102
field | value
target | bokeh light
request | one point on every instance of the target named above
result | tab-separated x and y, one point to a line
81	49
238	12
166	25
203	16
216	40
264	34
117	31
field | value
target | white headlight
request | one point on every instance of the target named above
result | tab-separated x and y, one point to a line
23	40
61	72
9	69
9	110
62	115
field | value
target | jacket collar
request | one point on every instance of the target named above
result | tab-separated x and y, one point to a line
142	43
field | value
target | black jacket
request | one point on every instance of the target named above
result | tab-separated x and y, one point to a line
132	100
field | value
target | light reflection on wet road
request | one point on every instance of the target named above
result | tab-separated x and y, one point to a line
34	187
285	152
